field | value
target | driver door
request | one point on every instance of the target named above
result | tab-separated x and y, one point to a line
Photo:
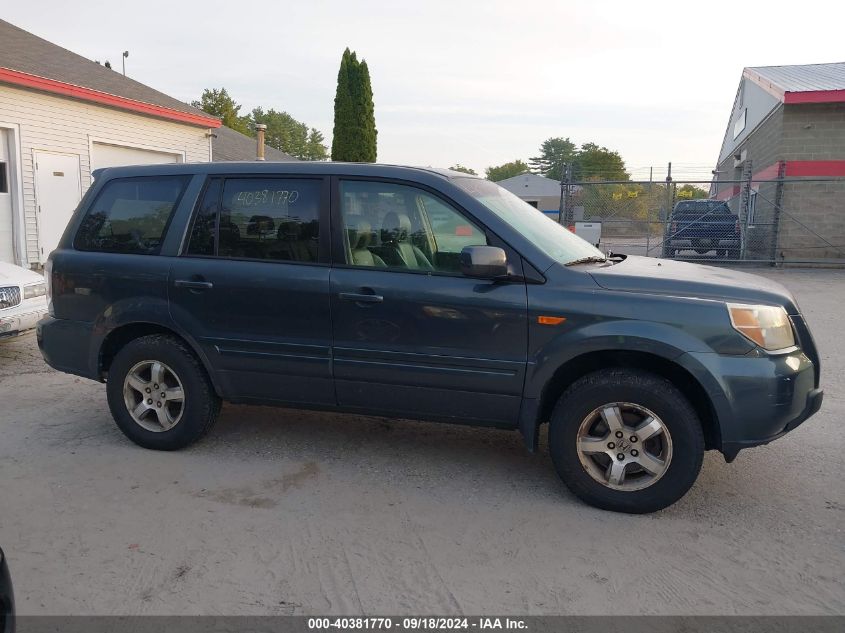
411	336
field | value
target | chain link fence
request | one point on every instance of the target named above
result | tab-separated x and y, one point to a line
775	221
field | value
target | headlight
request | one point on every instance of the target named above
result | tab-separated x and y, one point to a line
768	326
35	290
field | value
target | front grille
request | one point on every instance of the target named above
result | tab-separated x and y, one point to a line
10	296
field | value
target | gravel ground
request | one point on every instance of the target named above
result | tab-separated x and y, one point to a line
285	512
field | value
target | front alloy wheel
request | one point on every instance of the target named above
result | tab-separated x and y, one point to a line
624	446
627	440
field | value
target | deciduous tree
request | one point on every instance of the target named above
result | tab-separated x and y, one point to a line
554	152
508	170
598	163
218	103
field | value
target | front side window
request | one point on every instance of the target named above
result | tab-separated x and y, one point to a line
388	225
130	215
258	218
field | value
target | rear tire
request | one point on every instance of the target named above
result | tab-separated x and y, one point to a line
181	408
583	459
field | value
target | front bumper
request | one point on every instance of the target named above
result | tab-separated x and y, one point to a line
703	243
15	324
814	402
760	397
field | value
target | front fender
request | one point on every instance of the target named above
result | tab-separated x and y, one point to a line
663	340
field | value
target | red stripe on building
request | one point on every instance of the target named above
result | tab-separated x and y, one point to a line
769	173
43	84
815	168
802	169
815	96
727	193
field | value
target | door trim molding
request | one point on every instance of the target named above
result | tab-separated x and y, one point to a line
16	190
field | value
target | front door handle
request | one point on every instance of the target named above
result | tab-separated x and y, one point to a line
193	284
360	298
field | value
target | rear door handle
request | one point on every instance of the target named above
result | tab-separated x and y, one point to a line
360	298
193	284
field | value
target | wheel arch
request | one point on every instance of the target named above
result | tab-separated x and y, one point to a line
586	363
120	336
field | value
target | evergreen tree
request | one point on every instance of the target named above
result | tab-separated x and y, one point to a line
367	115
342	110
354	135
315	148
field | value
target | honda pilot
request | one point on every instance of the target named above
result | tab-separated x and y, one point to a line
417	293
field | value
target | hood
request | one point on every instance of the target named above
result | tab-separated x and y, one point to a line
666	276
15	275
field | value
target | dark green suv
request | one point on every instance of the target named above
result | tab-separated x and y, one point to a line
416	293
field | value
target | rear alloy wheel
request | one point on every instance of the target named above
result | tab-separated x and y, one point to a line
154	396
626	440
159	393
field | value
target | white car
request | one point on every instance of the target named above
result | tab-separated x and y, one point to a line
23	300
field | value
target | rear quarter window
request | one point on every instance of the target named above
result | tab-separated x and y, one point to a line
131	215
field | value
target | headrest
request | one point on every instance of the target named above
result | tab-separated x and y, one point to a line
360	235
395	227
229	229
260	224
289	231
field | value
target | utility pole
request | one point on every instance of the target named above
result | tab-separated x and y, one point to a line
564	214
670	198
125	55
562	206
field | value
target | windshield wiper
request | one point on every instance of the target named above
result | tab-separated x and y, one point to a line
587	260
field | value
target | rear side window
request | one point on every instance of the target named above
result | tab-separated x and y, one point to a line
131	215
258	218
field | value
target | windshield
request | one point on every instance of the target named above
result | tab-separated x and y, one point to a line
553	239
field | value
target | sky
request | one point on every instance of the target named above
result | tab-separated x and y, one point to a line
475	83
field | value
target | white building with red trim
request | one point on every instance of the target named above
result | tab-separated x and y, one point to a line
63	116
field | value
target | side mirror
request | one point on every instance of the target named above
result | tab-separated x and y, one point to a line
484	262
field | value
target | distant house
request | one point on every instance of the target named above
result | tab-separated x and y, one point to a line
787	122
227	144
538	191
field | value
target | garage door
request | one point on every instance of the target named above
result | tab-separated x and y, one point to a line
106	155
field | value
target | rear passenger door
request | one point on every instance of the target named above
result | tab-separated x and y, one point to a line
252	287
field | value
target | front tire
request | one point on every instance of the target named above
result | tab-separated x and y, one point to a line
159	393
626	440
